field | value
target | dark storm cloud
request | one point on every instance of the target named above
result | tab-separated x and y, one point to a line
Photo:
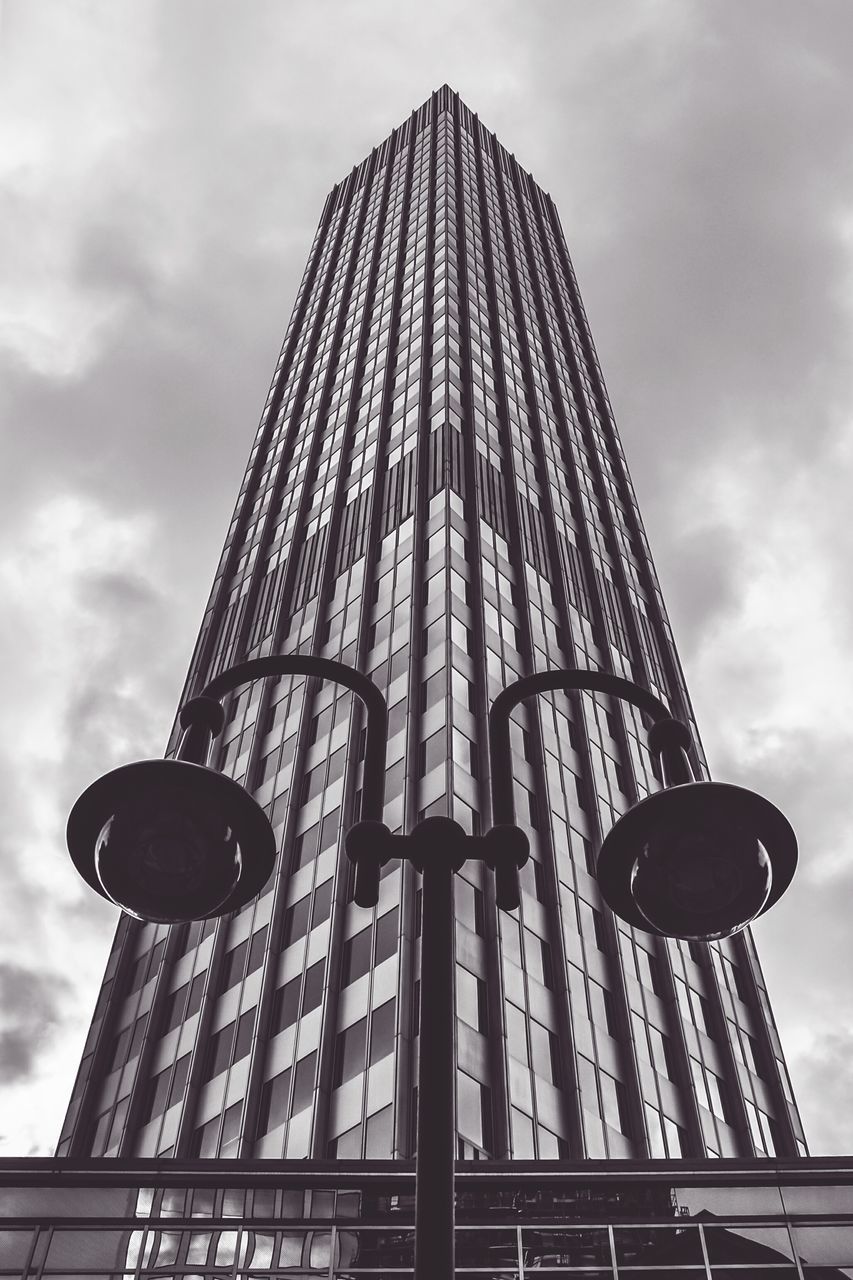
165	168
30	1002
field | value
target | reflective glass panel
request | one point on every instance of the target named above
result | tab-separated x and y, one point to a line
571	1248
818	1200
748	1244
14	1246
88	1248
827	1245
492	1247
647	1246
728	1202
375	1248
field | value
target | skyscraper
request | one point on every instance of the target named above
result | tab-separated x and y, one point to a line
437	496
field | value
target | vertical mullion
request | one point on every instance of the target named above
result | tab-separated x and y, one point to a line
257	1057
692	1115
373	539
615	970
151	1039
675	686
497	1035
416	631
571	1099
328	1031
127	930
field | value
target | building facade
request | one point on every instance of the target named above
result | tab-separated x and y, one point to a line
227	1220
437	496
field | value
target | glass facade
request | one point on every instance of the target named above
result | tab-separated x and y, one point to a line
437	496
713	1221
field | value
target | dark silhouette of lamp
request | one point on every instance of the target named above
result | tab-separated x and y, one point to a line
172	840
696	860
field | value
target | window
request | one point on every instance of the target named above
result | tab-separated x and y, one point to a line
174	1009
136	1038
120	1048
296	921
312	994
313	783
433	690
196	991
614	1099
432	752
233	967
386	936
599	929
257	947
330	829
305	847
303	1083
205	1139
158	1089
337	761
538	874
349	1052
356	956
382	1022
547	1060
219	1052
230	1135
273	1106
322	905
285	1007
245	1026
178	1086
320	725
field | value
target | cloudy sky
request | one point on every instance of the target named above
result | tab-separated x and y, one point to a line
162	169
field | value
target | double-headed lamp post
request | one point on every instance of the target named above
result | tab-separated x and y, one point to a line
172	840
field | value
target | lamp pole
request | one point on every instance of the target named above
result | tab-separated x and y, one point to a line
661	846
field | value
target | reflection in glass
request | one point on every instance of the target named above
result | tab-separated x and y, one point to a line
226	1247
14	1247
198	1246
748	1244
320	1249
89	1248
203	1202
831	1244
573	1248
257	1249
72	1202
292	1243
753	1273
161	1248
818	1200
487	1248
376	1248
727	1202
645	1246
144	1201
173	1204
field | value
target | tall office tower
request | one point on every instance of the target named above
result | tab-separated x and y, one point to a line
437	496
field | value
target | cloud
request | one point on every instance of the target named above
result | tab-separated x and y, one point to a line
824	1070
30	1002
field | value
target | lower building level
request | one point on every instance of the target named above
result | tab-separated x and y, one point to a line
254	1220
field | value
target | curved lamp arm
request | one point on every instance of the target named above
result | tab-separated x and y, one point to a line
202	717
665	737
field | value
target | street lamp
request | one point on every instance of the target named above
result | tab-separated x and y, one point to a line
695	860
172	840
